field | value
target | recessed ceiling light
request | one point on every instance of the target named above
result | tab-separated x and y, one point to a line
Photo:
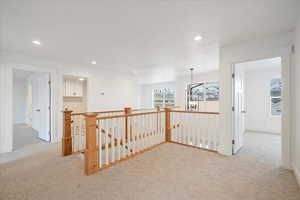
93	62
198	38
81	79
36	42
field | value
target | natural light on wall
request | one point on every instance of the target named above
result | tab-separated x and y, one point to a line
157	75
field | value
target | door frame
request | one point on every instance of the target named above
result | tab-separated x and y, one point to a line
234	106
286	103
52	94
33	69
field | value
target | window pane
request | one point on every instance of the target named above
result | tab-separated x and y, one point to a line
197	92
212	91
276	106
276	87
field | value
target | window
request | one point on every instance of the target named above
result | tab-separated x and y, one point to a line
198	92
212	91
204	91
275	93
163	97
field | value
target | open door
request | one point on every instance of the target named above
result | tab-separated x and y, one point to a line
40	85
238	108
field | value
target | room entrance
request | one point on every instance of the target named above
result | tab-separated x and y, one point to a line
31	108
257	108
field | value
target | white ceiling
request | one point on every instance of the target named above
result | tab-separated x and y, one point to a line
263	64
138	36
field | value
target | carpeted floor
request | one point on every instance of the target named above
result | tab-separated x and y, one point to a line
25	136
168	172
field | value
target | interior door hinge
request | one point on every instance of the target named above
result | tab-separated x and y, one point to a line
49	82
232	75
293	49
233	142
232	108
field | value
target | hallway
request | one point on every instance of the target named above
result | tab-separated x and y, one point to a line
168	172
25	136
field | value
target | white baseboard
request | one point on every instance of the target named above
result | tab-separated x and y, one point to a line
259	131
297	174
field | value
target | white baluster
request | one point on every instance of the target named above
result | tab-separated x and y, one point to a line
133	134
119	137
146	131
100	142
123	138
138	125
112	122
143	131
207	140
214	133
150	130
163	119
174	131
199	132
217	132
106	141
129	136
184	131
186	127
196	122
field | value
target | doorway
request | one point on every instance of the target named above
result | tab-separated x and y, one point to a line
31	105
257	109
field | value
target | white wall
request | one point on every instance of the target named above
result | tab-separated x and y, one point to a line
296	108
272	46
258	102
120	91
6	114
19	101
182	81
146	92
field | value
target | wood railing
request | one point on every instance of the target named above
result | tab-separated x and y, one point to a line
113	141
196	129
74	138
109	137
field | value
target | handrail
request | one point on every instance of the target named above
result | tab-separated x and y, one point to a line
128	115
100	112
143	109
113	111
195	112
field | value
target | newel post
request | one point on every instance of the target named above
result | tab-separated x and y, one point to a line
91	154
157	108
127	111
67	136
168	124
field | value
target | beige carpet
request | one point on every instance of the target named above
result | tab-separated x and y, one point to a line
25	136
168	172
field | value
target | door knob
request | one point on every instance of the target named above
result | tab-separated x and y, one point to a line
243	111
38	110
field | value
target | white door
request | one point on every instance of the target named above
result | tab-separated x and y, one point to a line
239	108
41	104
